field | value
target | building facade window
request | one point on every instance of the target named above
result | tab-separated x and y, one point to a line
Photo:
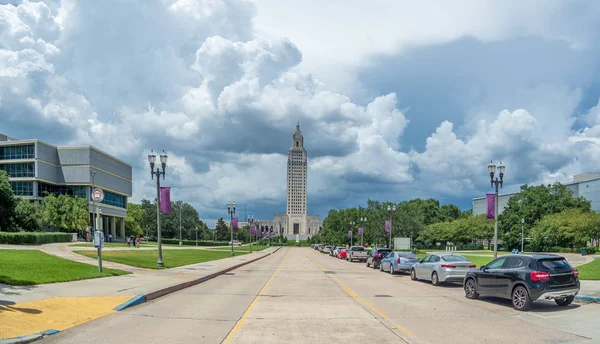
17	152
71	190
22	188
19	170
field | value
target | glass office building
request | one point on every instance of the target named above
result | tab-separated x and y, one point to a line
36	169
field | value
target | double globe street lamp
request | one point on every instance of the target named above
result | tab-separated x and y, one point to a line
496	182
391	210
231	212
158	173
363	219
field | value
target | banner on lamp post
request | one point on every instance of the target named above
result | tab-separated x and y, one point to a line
252	230
360	231
491	206
165	200
234	224
388	226
349	234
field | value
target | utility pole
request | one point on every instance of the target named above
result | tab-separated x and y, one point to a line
180	210
522	234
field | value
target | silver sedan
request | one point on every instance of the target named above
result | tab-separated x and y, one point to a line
441	267
398	262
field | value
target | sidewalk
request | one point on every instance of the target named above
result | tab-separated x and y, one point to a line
590	289
31	311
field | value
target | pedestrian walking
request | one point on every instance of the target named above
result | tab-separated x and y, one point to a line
137	242
128	242
109	237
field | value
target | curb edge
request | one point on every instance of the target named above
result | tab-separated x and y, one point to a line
588	299
30	338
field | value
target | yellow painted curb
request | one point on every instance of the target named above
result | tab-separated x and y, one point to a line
59	313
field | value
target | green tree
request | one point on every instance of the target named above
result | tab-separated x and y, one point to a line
569	228
223	233
450	212
28	215
65	213
532	203
8	203
134	219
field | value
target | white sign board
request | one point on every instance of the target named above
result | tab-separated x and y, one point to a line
297	238
98	195
402	243
98	239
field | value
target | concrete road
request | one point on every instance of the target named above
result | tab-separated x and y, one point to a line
301	296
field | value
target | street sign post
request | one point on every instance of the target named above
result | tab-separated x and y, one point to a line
99	244
98	195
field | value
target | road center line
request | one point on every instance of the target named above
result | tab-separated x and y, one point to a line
355	296
240	322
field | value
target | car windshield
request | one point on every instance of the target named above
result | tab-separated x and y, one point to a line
454	258
383	252
359	248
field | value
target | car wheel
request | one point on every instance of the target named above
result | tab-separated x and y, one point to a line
520	299
380	267
413	275
471	289
367	263
434	279
392	270
565	301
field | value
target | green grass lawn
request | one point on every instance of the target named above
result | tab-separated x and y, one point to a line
590	271
28	267
172	258
108	244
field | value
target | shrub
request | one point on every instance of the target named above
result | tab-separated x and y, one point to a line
193	242
33	238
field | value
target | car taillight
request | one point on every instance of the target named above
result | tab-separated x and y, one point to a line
575	273
472	266
377	255
448	266
537	276
399	260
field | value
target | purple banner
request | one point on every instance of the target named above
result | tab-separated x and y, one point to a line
258	232
349	234
491	205
165	200
252	230
388	226
234	223
360	231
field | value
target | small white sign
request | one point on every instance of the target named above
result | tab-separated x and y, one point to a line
98	195
297	238
98	239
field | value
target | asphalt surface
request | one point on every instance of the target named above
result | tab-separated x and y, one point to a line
301	296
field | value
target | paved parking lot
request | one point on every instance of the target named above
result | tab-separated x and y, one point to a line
301	296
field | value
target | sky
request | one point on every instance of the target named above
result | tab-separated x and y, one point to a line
396	99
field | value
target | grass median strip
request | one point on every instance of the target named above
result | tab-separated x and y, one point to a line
29	267
590	271
172	258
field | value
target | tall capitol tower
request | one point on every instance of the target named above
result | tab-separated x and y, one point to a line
296	185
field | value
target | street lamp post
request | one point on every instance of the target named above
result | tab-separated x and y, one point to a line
352	223
180	238
522	234
496	182
158	173
231	212
256	235
251	221
363	219
391	209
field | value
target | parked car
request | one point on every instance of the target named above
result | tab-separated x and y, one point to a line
235	243
441	267
376	255
356	253
398	261
525	279
326	249
343	253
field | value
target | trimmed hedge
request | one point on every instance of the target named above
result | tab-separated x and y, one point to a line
193	242
33	238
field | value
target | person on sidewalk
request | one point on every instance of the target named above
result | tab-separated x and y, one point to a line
128	242
137	242
109	237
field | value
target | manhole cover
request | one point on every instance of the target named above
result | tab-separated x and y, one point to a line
330	272
383	295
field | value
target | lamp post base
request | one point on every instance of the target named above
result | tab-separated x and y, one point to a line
160	264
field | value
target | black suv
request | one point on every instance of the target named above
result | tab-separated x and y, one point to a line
524	279
376	255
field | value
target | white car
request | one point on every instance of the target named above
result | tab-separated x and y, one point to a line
235	243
